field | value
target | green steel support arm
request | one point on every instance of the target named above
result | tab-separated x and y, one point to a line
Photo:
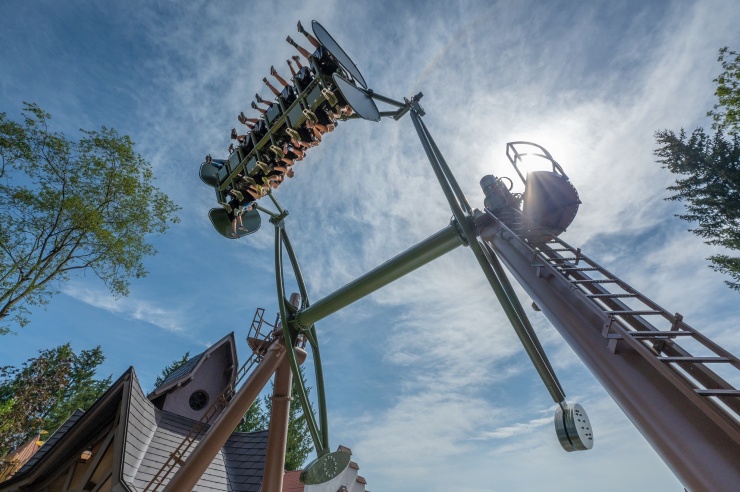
312	338
419	255
283	213
525	332
319	436
490	266
384	99
444	181
446	170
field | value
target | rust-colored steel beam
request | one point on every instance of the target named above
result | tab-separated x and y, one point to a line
277	437
206	450
702	449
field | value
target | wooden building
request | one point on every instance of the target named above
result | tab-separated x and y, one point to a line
120	443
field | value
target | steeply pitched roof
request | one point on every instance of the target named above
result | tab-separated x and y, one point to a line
292	481
78	430
13	461
185	371
244	456
51	442
152	434
24	451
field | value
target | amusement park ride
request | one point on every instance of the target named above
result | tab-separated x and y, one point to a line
654	365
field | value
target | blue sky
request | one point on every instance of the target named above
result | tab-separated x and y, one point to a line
426	381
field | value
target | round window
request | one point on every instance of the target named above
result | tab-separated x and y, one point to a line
198	400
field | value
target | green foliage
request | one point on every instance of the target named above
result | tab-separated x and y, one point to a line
710	170
170	369
45	391
81	391
71	207
726	112
255	419
710	189
299	443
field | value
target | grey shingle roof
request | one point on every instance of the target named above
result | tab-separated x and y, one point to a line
51	442
244	455
76	432
152	434
183	369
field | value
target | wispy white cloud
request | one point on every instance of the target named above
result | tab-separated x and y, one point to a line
514	430
129	307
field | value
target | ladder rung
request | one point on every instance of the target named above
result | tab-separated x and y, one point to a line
557	249
600	296
717	392
578	269
694	359
634	313
597	281
659	334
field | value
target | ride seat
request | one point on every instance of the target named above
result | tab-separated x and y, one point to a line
288	95
273	113
325	62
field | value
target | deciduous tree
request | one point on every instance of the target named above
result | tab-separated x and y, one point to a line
45	390
70	207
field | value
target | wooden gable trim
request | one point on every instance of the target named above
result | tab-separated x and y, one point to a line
71	464
98	457
121	431
70	474
58	459
103	482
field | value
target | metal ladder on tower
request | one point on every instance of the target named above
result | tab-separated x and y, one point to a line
652	331
257	341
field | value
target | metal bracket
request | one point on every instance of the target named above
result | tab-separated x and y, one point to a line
460	232
613	338
677	319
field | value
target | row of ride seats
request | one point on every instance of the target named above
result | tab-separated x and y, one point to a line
297	105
